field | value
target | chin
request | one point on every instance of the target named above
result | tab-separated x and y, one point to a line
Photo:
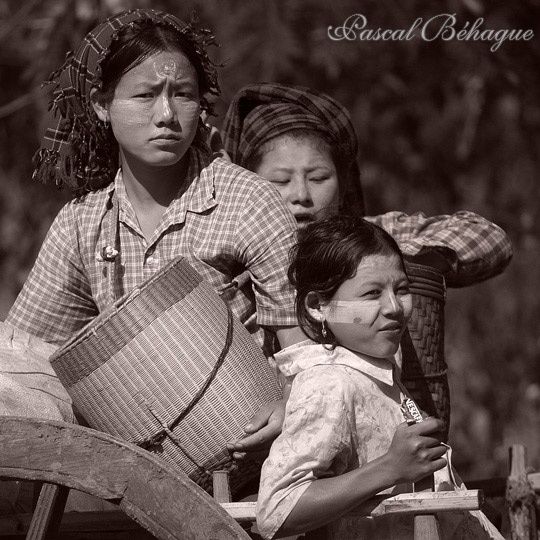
382	351
167	159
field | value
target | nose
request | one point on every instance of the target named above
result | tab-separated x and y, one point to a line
392	307
300	193
164	113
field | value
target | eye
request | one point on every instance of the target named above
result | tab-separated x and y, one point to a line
373	293
144	95
280	181
318	179
403	290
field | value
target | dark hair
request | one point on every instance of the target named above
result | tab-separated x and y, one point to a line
131	47
134	45
328	253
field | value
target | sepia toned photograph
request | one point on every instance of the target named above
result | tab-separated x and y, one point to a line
269	269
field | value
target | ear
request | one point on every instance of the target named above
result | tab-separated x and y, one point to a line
314	306
102	111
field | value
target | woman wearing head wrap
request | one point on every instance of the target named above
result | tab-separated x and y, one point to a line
304	142
125	134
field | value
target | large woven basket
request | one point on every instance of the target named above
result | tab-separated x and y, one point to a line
424	371
169	368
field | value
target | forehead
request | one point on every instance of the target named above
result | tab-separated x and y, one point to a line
380	268
172	65
297	149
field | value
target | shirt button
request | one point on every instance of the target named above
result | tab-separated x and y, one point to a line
151	260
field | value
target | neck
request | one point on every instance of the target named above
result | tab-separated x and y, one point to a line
147	186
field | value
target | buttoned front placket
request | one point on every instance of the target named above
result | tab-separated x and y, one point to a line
142	258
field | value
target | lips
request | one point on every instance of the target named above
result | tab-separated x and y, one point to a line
166	137
304	219
391	327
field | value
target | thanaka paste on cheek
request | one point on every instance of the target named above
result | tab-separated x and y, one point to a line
353	312
130	112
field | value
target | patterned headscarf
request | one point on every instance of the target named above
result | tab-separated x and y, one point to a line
261	112
77	149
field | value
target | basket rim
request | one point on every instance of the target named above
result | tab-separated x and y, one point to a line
112	311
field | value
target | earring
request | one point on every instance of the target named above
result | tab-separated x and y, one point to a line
323	329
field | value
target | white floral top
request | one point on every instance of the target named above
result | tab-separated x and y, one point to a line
342	413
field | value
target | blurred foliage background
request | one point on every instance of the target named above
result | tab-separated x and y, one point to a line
443	126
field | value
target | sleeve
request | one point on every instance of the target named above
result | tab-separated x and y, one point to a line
476	248
265	236
316	434
56	300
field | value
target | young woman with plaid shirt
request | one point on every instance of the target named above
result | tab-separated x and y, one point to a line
125	134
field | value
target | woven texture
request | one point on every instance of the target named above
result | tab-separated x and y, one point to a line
169	368
424	371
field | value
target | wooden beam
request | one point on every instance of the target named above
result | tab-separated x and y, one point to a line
48	513
520	497
405	503
426	525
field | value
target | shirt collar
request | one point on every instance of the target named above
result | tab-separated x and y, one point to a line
198	197
306	354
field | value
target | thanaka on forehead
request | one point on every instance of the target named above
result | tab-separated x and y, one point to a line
167	67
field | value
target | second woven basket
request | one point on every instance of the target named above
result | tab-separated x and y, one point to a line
424	370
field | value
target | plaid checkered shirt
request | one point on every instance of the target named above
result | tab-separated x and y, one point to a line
227	222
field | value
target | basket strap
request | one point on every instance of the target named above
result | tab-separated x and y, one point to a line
167	428
212	375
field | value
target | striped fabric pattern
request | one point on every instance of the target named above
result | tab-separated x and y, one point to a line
260	112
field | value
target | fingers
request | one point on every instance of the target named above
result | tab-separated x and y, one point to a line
257	441
428	442
256	457
432	454
261	418
429	425
438	464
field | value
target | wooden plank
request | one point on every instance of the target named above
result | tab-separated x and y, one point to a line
534	480
220	483
426	526
520	497
48	513
404	503
98	464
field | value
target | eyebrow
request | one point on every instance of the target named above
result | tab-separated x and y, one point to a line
156	84
374	283
308	169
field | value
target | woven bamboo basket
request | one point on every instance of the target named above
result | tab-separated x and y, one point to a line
169	368
424	370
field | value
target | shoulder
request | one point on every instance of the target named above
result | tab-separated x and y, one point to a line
87	203
80	213
228	176
323	385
